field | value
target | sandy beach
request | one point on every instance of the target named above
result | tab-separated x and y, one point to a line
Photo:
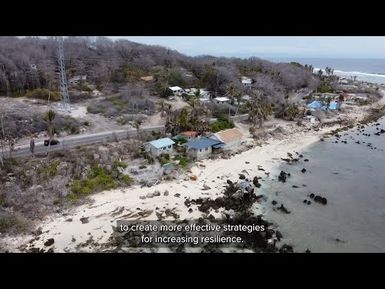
136	203
85	227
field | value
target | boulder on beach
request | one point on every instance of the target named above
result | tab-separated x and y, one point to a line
49	242
256	182
283	176
193	178
320	200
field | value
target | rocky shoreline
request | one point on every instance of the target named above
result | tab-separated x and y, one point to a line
182	198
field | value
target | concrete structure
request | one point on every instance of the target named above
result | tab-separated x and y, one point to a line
147	78
160	146
177	91
231	138
201	148
221	100
77	79
246	81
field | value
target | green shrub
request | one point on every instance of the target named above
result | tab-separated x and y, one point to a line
183	161
120	164
8	223
221	124
43	93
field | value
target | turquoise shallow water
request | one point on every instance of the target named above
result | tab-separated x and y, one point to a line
352	177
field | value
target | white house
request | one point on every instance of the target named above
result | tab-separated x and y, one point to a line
246	81
246	98
77	79
160	146
221	100
176	90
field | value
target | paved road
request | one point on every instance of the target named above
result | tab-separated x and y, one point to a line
83	139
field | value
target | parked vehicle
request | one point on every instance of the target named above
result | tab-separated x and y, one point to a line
53	142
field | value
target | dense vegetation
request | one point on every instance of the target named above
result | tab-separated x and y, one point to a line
27	64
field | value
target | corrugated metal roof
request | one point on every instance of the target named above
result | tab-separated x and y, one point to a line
200	143
228	135
162	142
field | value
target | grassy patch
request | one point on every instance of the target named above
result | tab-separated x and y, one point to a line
43	93
8	223
98	180
49	170
183	161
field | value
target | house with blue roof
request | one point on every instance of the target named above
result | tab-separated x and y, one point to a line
160	146
202	147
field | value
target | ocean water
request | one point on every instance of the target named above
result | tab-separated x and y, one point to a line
351	176
369	70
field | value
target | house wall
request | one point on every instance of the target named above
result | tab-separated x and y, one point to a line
156	152
232	145
200	154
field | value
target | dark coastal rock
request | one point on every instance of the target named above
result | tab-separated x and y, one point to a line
278	235
205	187
177	195
247	162
84	220
156	194
49	242
294	186
274	202
286	249
229	182
283	209
307	251
242	176
303	170
320	200
305	201
306	160
190	210
256	182
283	176
308	202
311	195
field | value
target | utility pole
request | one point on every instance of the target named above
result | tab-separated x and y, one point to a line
62	74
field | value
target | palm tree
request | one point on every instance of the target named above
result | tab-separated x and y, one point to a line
162	107
50	119
137	124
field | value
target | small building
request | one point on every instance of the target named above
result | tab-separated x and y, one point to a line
200	148
176	90
246	81
315	105
77	79
96	92
230	138
147	78
221	100
334	105
160	146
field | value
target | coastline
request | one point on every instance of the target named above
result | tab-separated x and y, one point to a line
106	207
85	228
